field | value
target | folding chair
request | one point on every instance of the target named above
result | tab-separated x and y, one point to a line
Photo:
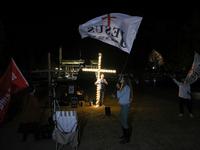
66	129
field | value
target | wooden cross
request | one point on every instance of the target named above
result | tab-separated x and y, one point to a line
99	70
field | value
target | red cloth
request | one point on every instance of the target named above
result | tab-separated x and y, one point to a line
11	82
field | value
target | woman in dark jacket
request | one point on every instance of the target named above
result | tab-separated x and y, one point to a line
30	115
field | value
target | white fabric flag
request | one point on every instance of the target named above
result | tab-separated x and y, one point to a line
194	72
115	29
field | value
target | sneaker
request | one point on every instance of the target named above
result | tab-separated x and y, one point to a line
191	115
181	115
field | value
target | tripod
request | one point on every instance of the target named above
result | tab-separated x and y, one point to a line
54	101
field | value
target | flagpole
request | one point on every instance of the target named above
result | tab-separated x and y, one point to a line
122	72
124	65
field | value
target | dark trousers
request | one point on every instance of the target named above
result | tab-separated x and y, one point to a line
124	115
188	104
102	94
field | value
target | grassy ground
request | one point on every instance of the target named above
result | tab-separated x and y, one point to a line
153	121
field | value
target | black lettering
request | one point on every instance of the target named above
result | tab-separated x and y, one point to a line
107	38
122	40
107	30
91	29
93	36
99	30
115	32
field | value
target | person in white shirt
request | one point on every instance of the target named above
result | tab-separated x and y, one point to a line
102	86
184	96
123	95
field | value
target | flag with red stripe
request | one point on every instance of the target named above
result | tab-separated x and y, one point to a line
115	29
194	72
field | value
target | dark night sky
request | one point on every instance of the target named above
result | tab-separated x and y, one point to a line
44	30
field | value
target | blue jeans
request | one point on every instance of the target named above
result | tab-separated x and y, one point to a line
124	115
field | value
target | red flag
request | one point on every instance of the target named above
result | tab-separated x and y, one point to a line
11	82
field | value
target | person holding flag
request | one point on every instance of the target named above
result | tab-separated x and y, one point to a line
124	95
184	96
118	30
184	86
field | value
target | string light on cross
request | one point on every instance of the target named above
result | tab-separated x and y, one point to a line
99	70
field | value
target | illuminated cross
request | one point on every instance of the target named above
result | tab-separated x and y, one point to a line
108	19
99	70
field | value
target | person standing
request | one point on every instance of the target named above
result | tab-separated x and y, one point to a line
184	96
102	86
53	88
30	115
123	95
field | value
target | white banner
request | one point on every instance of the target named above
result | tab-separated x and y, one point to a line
115	29
194	72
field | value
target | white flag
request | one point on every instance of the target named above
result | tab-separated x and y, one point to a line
115	29
194	72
